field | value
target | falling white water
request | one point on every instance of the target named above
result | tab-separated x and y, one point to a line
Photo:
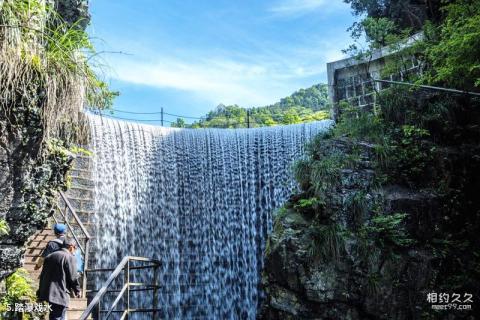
198	200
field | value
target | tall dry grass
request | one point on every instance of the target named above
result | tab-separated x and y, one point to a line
44	66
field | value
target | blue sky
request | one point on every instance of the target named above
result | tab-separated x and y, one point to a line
188	56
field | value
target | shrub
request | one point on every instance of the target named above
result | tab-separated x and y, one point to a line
19	289
387	230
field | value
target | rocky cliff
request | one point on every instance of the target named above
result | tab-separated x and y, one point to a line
372	233
31	170
338	270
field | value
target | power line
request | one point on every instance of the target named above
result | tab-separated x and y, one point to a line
159	112
186	117
131	119
429	87
157	120
131	112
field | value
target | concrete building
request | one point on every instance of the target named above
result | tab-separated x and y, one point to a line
352	79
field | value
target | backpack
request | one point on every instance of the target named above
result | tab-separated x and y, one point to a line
79	258
77	254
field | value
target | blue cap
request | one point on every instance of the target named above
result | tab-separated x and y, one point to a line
59	228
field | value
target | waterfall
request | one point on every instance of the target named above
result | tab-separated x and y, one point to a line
198	200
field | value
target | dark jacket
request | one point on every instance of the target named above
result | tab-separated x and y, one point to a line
52	246
58	278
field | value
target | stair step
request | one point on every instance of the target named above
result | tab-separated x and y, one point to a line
33	251
47	232
81	173
34	274
78	303
31	258
74	313
79	187
83	182
80	193
27	264
38	243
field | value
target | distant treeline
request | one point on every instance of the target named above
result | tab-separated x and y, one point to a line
302	106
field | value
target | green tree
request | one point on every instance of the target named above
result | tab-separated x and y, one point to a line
455	57
404	13
309	104
179	123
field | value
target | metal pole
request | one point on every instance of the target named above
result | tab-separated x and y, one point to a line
161	117
248	118
155	293
429	87
127	281
99	314
85	263
66	213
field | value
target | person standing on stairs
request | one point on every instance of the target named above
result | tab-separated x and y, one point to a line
59	279
53	245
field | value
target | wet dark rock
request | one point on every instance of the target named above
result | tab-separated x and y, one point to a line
73	11
376	283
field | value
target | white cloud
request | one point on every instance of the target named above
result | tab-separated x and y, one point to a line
300	7
223	81
233	77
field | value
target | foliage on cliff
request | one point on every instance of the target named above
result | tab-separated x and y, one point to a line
47	78
303	105
452	48
45	63
19	289
388	210
385	193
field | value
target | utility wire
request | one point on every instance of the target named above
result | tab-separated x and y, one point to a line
131	119
158	120
131	112
159	112
186	117
429	87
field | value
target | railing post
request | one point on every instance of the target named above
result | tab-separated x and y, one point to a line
85	265
127	282
66	213
155	293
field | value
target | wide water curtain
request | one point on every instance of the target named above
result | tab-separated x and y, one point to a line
200	201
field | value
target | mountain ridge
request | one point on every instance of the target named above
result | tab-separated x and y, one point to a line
303	105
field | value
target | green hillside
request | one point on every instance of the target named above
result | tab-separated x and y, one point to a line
302	106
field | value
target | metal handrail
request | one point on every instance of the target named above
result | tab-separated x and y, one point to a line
75	216
86	235
124	266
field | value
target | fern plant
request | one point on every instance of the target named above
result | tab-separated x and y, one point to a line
328	241
388	230
4	228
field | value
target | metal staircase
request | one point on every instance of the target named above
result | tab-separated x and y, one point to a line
123	283
123	280
64	213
